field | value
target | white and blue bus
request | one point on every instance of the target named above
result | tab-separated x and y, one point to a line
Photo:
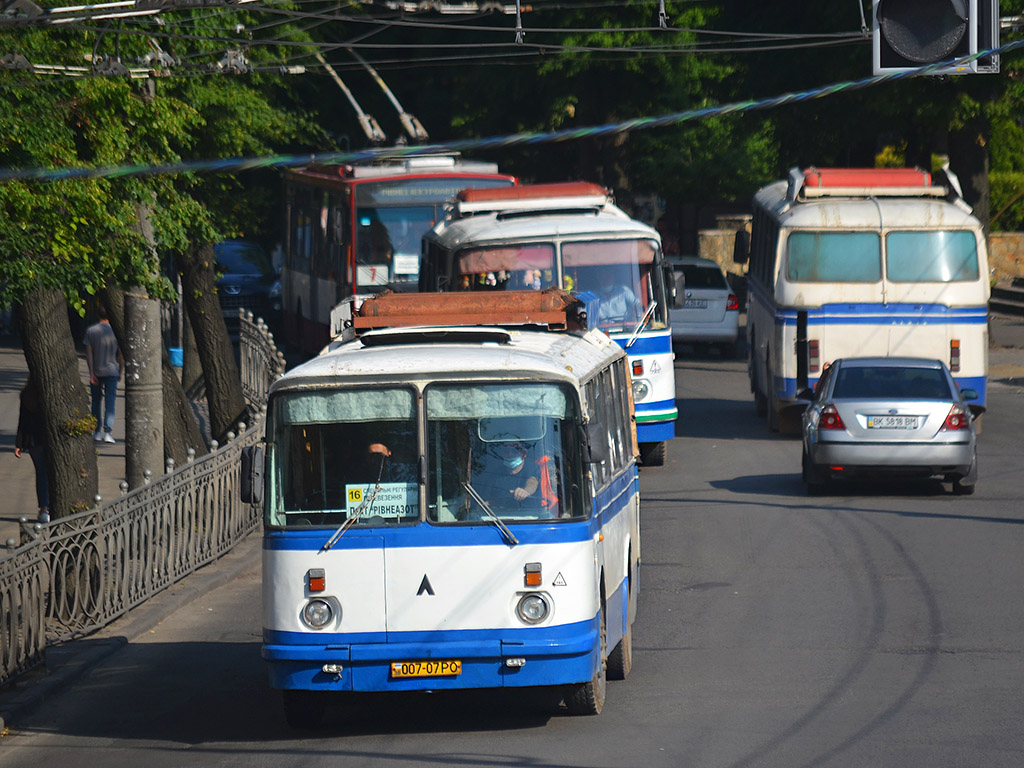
861	262
569	236
450	506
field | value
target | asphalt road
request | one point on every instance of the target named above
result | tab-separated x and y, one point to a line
881	626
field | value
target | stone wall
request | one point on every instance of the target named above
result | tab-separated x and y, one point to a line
1006	255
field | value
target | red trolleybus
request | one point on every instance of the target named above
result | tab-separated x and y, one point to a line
357	228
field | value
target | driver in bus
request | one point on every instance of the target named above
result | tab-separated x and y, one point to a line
618	302
511	480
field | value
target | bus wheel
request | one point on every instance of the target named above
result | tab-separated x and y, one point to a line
620	660
652	454
588	698
304	710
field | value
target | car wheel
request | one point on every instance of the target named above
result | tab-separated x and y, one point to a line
962	490
816	484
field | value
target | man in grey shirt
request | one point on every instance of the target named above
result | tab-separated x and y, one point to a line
106	363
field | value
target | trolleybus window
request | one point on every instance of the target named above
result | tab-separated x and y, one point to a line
619	272
938	256
509	450
326	449
834	257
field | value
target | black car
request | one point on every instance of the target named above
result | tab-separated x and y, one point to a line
246	279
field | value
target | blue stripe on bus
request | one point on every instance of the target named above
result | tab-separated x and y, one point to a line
647	344
885	314
656	405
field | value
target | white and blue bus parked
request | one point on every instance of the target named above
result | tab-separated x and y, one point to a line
569	236
861	262
450	506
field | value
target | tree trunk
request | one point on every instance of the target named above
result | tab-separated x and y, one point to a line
220	371
53	362
181	430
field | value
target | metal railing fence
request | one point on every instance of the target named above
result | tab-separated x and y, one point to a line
76	574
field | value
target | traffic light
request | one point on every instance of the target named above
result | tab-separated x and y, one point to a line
912	33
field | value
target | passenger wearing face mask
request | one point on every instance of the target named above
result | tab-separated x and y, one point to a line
507	477
512	481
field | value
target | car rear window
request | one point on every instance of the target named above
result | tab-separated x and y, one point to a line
887	383
702	277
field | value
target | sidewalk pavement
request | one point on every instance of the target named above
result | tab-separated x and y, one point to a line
17	476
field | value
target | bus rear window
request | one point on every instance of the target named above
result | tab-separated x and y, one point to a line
931	257
833	257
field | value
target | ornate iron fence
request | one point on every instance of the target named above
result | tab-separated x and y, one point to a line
79	573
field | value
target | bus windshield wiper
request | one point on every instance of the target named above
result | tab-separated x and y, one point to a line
643	321
351	519
509	536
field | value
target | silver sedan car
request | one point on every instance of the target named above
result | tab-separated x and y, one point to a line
884	416
705	309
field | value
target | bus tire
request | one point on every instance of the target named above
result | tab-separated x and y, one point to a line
652	454
588	698
620	660
304	710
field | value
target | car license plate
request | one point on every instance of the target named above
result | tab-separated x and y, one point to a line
695	304
432	668
892	422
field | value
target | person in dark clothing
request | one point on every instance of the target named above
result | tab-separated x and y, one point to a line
31	438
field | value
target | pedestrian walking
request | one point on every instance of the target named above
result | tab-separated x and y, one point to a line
106	363
31	438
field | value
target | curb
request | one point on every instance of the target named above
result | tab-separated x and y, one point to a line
68	662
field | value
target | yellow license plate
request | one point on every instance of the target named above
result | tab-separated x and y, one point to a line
449	668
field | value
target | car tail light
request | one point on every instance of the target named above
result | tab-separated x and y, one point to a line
957	419
733	302
954	355
813	355
830	418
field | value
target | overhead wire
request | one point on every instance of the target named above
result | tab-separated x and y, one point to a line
225	165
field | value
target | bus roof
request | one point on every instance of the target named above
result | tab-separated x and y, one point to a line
532	197
459	335
445	353
485	228
862	211
419	165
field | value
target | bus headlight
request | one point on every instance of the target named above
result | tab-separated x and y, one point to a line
317	614
641	389
533	608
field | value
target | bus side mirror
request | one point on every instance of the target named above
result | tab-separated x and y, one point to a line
673	281
595	449
251	486
741	247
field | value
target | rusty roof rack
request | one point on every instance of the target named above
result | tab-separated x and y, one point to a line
552	309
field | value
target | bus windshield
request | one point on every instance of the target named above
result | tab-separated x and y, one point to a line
387	243
330	449
622	274
510	450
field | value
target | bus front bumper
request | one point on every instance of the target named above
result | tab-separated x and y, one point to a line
493	663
